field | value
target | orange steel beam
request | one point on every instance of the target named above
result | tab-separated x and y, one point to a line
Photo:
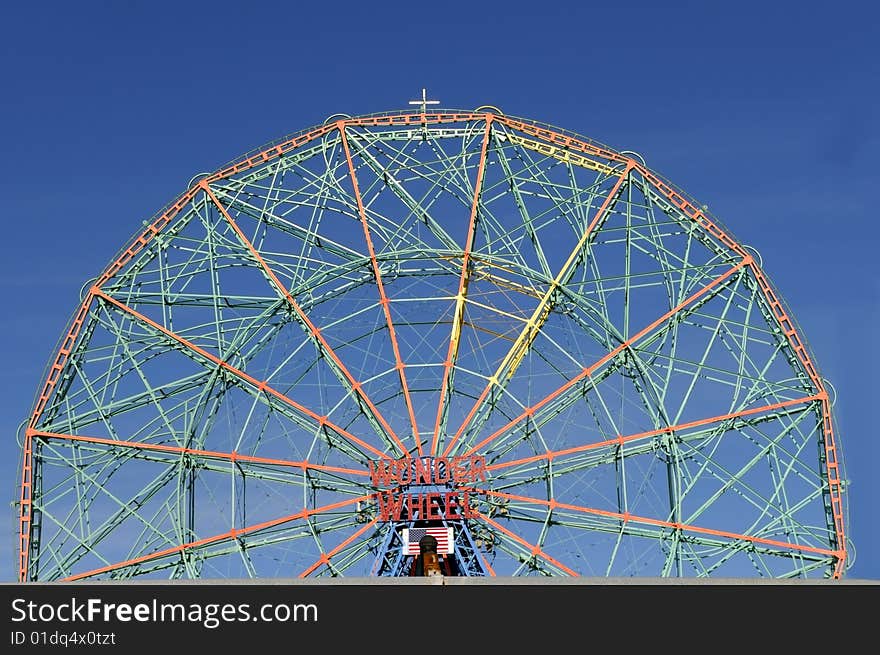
464	278
217	538
26	492
533	326
626	517
230	457
419	119
533	550
691	211
586	372
488	566
835	485
383	297
146	236
61	359
25	509
322	421
325	557
313	330
620	440
269	154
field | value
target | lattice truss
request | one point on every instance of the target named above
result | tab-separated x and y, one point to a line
432	284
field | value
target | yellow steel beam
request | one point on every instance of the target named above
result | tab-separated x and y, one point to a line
561	154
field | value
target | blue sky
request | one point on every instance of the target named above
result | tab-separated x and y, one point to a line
766	112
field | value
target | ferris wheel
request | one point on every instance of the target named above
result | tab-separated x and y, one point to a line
442	332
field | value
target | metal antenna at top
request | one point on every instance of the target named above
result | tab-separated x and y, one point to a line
424	102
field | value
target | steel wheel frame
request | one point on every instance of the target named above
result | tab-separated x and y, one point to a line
163	314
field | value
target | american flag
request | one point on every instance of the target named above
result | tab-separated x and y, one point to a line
411	537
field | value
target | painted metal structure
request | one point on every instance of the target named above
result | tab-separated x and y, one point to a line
432	284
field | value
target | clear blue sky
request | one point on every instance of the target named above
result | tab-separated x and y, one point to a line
767	112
